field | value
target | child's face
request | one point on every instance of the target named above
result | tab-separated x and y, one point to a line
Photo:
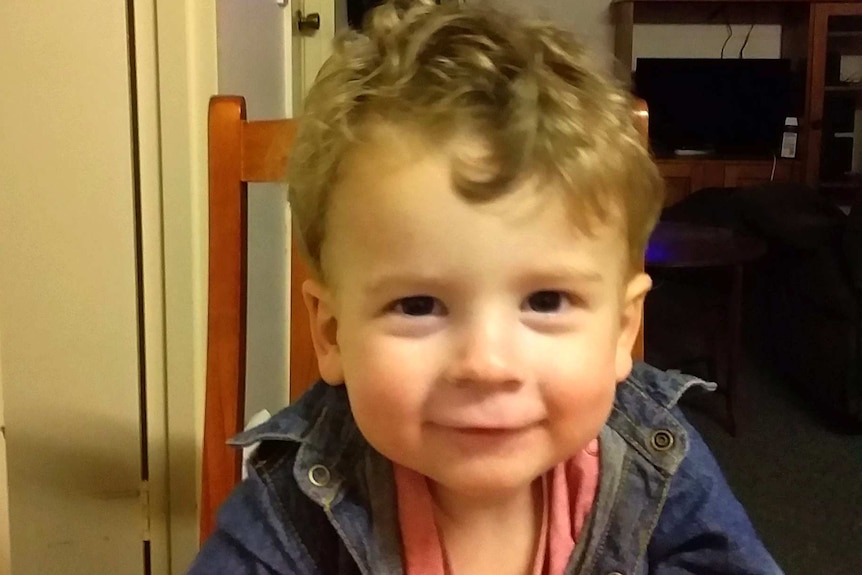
480	344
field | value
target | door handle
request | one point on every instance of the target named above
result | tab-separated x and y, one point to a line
308	23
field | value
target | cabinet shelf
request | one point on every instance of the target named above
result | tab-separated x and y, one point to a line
846	184
683	176
845	43
854	87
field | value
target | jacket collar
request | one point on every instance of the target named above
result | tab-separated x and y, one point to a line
358	494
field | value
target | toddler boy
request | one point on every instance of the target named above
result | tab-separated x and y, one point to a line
474	201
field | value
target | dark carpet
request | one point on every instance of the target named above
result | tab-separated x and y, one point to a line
800	481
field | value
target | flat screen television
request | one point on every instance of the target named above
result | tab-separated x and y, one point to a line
724	106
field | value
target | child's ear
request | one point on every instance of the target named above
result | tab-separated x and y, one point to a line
324	331
630	322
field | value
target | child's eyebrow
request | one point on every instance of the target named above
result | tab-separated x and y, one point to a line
551	276
563	274
376	283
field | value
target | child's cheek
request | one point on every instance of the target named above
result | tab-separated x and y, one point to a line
387	399
574	389
386	375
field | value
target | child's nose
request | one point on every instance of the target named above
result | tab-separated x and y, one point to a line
486	355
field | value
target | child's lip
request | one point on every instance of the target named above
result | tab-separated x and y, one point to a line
487	423
481	438
488	430
480	429
491	415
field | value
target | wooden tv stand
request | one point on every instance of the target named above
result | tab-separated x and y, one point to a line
685	175
812	32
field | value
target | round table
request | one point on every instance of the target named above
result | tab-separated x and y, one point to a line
684	246
681	245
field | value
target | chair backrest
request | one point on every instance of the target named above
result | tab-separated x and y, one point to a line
240	152
243	152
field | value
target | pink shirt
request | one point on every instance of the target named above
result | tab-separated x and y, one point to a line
568	493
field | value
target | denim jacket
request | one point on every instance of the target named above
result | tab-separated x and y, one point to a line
319	499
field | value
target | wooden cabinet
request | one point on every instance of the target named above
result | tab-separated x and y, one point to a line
823	41
684	176
833	133
753	173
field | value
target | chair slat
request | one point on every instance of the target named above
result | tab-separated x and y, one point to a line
265	150
226	306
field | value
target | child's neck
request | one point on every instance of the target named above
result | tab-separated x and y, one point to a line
490	535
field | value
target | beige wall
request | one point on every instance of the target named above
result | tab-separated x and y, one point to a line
67	288
68	293
590	19
705	41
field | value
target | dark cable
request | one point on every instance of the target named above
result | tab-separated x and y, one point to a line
729	35
745	43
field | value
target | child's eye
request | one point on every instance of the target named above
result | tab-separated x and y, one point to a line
418	305
547	301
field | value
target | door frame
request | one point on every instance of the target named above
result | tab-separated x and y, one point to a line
186	65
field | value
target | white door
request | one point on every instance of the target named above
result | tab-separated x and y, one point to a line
313	44
263	57
69	316
254	61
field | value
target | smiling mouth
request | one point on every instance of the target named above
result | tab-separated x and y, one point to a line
488	430
477	440
481	431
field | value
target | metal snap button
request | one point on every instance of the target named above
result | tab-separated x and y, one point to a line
662	440
615	573
319	476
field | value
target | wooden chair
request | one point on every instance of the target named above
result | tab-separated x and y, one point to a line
242	152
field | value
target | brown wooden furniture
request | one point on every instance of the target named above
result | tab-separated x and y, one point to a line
810	30
241	152
684	176
679	247
835	31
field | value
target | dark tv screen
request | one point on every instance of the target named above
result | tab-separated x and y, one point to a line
726	106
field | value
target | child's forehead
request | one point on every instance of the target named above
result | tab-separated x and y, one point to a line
404	192
388	152
383	143
395	176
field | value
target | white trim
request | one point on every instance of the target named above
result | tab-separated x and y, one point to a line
287	42
187	78
155	509
316	47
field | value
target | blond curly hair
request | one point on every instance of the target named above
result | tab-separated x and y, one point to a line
528	91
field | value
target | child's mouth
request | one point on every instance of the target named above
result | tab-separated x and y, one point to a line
481	438
490	431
